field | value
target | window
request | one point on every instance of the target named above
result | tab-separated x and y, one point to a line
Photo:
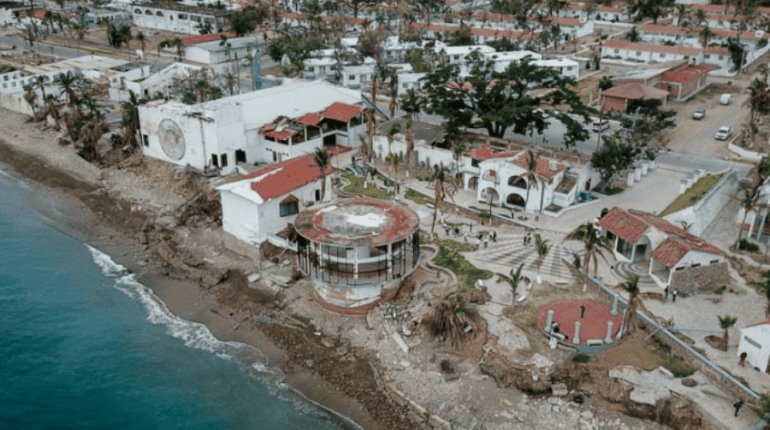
714	262
145	140
456	57
240	156
662	55
617	51
317	195
214	160
352	77
707	56
288	208
696	265
638	53
223	157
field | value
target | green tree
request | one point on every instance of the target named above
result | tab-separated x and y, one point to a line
497	101
142	39
737	52
704	36
725	323
652	9
411	103
514	279
322	161
530	175
440	191
645	121
612	157
175	43
633	35
247	19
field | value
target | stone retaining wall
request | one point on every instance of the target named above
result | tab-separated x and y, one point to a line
691	279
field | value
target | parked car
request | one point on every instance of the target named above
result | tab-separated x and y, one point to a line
699	113
598	126
725	99
723	133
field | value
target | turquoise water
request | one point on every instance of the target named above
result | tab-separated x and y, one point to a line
83	345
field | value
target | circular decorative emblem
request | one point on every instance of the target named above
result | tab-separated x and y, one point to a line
171	139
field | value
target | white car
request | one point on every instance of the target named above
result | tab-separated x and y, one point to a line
723	133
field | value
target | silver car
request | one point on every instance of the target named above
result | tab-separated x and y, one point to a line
723	133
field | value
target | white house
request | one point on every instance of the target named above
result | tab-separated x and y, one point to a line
409	81
358	76
179	21
567	68
755	343
152	84
639	52
266	201
675	256
268	125
501	182
218	55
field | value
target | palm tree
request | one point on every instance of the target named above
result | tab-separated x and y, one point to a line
411	103
458	149
130	120
530	176
52	108
67	83
230	81
725	323
439	191
634	302
321	160
393	105
30	96
681	13
541	246
172	43
515	279
700	16
371	128
142	39
409	138
704	36
749	201
764	71
392	131
593	243
449	319
758	102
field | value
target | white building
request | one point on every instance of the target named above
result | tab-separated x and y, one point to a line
501	182
564	66
409	81
218	55
638	52
179	21
150	85
264	202
639	236
755	343
268	125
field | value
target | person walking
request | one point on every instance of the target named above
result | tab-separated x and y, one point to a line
582	311
742	359
486	241
465	236
738	405
665	290
524	239
494	236
673	295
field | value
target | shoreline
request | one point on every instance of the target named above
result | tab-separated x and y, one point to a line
84	210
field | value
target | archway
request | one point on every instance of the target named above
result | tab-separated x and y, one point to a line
517	181
473	183
514	199
490	194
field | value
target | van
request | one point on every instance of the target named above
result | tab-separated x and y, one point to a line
725	99
599	126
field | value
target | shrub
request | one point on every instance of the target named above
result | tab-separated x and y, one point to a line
747	245
581	358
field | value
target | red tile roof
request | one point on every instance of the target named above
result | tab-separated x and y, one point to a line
310	119
483	152
717	50
623	224
635	91
202	38
543	165
631	225
687	74
664	29
282	178
341	112
651	47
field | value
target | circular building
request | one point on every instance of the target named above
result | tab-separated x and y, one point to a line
356	251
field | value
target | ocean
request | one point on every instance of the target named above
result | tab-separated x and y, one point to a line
84	345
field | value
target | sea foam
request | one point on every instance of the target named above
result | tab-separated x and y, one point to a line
194	335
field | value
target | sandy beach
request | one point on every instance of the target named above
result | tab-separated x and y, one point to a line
90	205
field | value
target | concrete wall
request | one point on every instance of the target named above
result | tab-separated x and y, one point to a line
198	134
691	279
703	213
15	102
171	20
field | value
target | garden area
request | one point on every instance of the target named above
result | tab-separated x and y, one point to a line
355	187
693	195
450	257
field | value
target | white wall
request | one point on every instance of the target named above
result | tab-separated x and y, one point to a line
252	223
170	20
756	357
700	215
697	257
